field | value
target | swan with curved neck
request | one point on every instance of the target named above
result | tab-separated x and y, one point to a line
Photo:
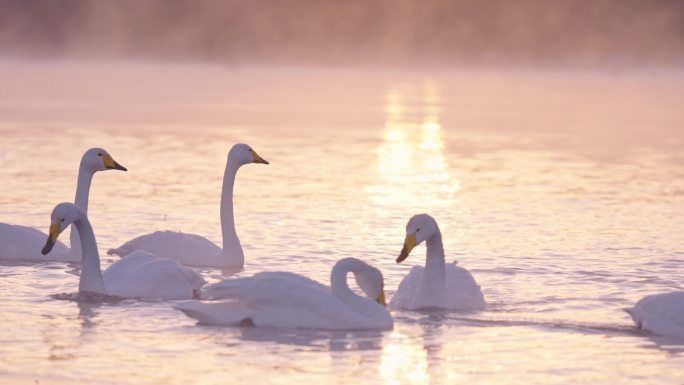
287	300
195	250
437	285
139	275
21	242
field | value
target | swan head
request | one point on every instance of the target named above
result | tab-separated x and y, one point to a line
419	228
370	280
63	215
243	154
98	159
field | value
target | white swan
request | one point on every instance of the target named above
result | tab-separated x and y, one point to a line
438	285
287	300
661	314
195	250
139	275
23	243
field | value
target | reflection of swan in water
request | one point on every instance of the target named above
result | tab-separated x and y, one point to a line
660	314
139	275
437	285
195	250
337	340
287	300
23	242
88	315
65	333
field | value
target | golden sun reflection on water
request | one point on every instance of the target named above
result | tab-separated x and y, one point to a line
411	164
403	362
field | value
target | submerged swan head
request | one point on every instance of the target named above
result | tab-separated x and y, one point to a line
98	159
371	282
368	278
63	215
243	154
419	228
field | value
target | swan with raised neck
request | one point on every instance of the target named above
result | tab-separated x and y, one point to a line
23	242
63	215
437	285
139	275
239	155
191	249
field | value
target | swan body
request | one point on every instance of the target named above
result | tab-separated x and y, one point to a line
188	249
661	314
194	250
23	243
138	275
438	284
287	300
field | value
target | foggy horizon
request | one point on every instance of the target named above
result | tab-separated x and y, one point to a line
384	33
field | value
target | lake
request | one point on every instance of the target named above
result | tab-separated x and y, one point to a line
561	191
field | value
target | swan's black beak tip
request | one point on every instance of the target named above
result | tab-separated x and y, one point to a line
48	246
402	256
117	166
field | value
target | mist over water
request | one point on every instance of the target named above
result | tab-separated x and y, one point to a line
377	33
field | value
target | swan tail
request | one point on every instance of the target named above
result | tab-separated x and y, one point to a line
632	313
121	251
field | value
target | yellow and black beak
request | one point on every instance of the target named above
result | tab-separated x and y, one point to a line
257	158
409	244
381	297
52	238
111	164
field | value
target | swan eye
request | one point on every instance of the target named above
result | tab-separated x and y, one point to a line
62	220
417	230
99	154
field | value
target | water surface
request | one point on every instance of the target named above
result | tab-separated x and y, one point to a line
563	194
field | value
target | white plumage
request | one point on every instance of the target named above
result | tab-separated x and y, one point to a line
195	250
438	284
138	275
287	300
661	314
23	243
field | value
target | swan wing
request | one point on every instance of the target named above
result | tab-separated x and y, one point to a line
277	299
408	288
24	243
463	292
661	314
145	275
245	287
188	249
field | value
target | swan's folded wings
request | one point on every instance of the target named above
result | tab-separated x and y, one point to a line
265	283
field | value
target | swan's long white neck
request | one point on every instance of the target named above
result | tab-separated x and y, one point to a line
85	178
434	259
432	288
338	280
91	275
231	244
362	306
